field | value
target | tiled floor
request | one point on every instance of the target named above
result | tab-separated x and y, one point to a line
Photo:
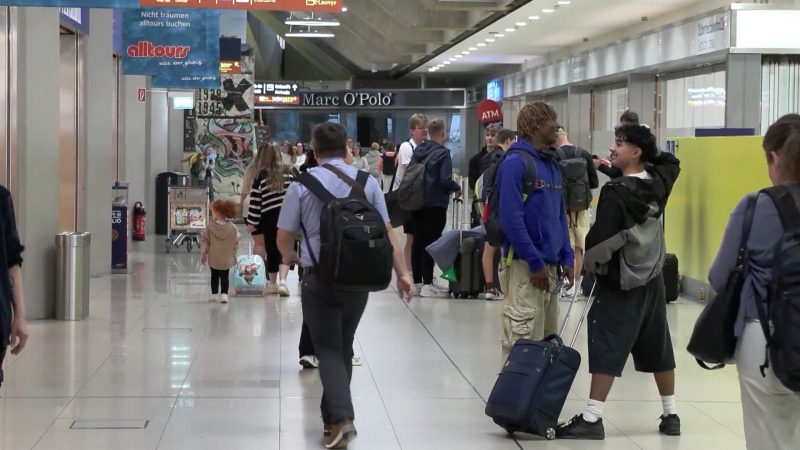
157	366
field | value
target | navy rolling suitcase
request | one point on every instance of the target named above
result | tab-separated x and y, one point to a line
531	389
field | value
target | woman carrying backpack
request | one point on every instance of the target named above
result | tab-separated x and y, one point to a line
771	411
266	200
255	167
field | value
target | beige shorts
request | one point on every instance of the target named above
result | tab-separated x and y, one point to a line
578	225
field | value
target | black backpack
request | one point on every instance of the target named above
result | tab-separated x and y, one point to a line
782	307
575	178
494	234
411	192
355	251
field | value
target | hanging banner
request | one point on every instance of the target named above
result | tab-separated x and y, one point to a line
274	5
172	43
78	3
202	77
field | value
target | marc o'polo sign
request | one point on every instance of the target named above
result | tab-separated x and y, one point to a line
274	5
349	99
364	99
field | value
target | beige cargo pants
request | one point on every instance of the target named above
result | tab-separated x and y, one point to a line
528	313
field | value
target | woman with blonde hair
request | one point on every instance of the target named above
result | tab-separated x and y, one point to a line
266	200
256	166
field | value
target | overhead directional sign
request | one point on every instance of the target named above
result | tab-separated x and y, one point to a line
275	5
77	3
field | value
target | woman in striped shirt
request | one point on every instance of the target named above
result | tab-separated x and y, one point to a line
266	199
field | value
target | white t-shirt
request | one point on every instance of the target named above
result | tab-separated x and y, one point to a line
643	175
404	156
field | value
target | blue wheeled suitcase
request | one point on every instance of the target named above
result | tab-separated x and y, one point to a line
531	389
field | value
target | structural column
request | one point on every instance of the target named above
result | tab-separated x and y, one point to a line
642	97
37	114
579	116
98	97
743	97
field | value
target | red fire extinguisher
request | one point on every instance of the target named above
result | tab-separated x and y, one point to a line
139	221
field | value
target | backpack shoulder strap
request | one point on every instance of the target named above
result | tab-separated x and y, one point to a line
786	202
530	171
315	186
562	155
356	189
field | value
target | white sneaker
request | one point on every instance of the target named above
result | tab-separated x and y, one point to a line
271	289
568	293
429	291
417	289
223	298
309	362
213	298
357	361
283	290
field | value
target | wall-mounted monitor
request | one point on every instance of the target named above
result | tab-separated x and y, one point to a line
183	102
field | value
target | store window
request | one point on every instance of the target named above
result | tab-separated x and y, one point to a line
696	100
780	88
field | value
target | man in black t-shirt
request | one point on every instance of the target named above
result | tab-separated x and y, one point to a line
476	169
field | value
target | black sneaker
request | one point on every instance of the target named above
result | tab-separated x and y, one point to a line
670	425
578	428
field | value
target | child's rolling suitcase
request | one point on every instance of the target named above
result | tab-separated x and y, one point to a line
249	275
468	267
536	379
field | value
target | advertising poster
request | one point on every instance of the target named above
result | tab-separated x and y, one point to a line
208	77
169	42
119	238
234	142
78	3
274	5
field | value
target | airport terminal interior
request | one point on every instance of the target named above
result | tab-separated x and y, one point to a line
138	144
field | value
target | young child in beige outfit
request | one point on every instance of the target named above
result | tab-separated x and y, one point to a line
218	247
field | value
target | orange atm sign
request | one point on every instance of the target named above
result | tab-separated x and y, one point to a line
275	5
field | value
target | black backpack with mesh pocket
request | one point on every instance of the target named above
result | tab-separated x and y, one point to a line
782	308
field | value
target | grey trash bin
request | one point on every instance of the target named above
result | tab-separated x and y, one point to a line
72	275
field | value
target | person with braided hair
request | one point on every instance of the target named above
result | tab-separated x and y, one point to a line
534	221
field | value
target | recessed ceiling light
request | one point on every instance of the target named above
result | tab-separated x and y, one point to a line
472	49
533	18
489	39
452	59
447	63
481	44
564	2
459	56
510	30
465	52
499	35
344	8
522	24
548	10
432	69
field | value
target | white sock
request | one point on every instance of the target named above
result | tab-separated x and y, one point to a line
668	402
594	411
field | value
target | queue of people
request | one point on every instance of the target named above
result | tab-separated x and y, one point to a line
538	187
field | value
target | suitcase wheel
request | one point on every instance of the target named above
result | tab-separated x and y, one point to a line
550	433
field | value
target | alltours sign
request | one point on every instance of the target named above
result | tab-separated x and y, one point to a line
489	112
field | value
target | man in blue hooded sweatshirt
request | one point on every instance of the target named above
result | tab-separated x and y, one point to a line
534	222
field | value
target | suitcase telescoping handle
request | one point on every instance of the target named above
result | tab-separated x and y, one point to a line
589	301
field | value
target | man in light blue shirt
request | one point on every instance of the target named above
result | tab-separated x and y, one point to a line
332	316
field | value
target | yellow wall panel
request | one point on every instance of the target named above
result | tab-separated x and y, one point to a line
716	172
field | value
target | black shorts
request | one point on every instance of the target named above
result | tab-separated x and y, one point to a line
634	322
408	228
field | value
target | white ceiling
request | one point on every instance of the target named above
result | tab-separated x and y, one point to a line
567	26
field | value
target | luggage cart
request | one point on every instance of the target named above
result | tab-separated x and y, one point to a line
188	216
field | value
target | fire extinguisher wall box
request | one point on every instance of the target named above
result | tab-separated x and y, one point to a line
139	222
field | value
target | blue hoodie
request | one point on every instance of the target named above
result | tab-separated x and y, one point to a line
439	183
537	227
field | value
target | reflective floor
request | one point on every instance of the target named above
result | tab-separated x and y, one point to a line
158	366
